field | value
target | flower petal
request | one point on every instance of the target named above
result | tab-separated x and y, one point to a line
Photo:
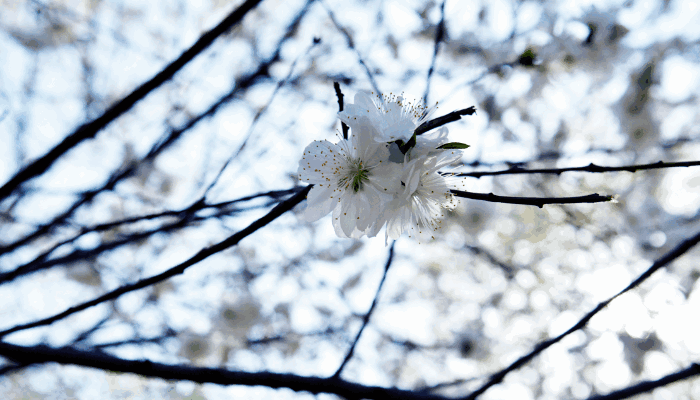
319	202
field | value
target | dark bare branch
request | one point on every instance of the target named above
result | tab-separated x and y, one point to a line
104	361
339	94
178	269
445	119
533	201
365	319
90	129
351	44
516	170
439	36
11	368
648	386
661	262
184	218
172	137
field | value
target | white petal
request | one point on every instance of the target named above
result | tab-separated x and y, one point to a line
374	228
319	202
396	225
366	211
336	223
318	161
348	215
427	143
446	157
386	178
412	173
363	99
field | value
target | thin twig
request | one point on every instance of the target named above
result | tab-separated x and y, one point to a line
128	170
365	319
262	71
507	269
532	201
179	269
589	168
84	335
351	44
186	217
90	129
661	262
439	35
444	385
132	167
41	262
339	94
158	340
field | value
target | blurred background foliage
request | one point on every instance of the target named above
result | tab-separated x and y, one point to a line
555	84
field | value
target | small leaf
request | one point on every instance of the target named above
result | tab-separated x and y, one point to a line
453	145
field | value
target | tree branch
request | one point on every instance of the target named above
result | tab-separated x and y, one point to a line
90	129
179	269
185	217
11	368
365	319
263	71
648	386
107	362
439	35
169	333
509	270
589	168
661	262
532	201
351	44
445	119
339	94
128	170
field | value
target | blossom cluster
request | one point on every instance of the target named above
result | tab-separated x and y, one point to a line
384	174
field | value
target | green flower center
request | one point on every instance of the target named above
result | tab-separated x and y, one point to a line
356	176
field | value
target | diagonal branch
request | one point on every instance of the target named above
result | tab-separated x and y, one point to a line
589	168
262	71
107	362
533	201
365	319
351	44
128	170
508	270
178	269
11	368
648	386
185	218
90	129
661	262
445	119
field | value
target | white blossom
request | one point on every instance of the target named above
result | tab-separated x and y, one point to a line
392	116
368	183
354	178
420	206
